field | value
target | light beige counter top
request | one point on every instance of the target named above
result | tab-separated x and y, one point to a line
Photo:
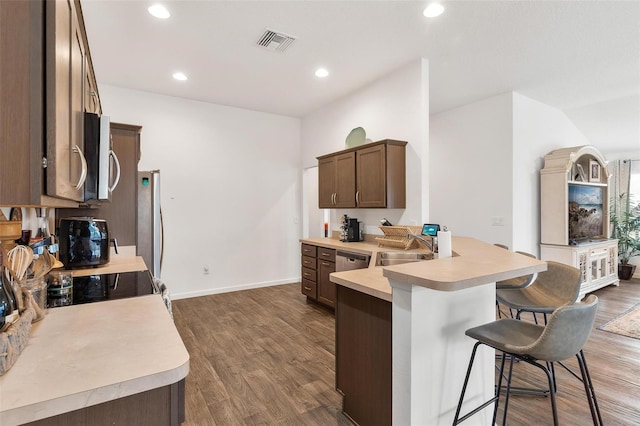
476	263
117	263
84	355
362	247
369	281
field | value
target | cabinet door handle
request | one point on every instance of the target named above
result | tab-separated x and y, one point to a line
116	162
83	172
357	196
333	198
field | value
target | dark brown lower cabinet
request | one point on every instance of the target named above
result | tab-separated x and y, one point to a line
308	285
326	289
363	356
156	407
317	264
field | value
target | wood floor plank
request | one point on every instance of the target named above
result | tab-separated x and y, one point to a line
266	356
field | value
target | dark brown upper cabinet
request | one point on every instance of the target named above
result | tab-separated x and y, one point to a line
337	180
46	78
369	176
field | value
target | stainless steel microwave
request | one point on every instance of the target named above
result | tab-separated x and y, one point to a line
103	167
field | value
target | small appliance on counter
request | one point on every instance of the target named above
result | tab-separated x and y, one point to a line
84	241
350	229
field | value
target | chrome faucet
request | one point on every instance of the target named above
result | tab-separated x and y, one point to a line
432	244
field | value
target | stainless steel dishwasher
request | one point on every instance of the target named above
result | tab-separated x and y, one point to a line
347	261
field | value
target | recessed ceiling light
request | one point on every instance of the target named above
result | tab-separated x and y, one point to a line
159	11
180	76
433	10
322	73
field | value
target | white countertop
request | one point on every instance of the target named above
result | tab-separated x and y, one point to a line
84	355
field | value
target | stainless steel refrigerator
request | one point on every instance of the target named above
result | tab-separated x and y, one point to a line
149	242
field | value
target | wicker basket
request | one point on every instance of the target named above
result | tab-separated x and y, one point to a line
398	236
14	339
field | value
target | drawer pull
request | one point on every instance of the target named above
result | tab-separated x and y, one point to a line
326	254
326	264
308	288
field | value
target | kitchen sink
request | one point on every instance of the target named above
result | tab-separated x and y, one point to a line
397	258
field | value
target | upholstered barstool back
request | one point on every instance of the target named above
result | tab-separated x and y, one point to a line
559	285
564	335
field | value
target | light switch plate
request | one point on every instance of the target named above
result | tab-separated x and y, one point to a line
497	221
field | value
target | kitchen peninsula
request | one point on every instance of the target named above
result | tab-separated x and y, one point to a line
432	303
119	361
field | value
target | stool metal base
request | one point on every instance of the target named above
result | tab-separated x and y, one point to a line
586	380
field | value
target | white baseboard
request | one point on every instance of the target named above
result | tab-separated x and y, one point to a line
229	289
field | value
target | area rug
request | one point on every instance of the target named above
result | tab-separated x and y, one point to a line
625	324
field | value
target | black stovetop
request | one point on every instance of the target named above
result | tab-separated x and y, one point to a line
102	287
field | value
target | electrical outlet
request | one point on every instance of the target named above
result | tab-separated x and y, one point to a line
497	221
205	270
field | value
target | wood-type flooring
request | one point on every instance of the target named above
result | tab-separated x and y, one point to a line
266	356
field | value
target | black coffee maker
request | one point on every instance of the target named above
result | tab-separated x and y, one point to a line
349	229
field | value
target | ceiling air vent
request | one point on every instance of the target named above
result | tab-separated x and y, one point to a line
275	41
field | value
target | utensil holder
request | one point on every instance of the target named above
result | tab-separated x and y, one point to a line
38	289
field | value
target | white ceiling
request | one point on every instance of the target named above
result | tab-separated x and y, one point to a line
580	56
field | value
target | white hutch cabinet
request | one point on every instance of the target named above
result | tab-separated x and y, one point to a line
574	215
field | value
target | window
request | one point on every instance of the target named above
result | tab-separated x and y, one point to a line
634	188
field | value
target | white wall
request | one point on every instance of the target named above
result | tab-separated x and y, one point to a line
230	189
498	146
537	129
312	216
393	107
471	174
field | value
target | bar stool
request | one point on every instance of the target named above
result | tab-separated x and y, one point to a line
514	283
563	337
557	286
